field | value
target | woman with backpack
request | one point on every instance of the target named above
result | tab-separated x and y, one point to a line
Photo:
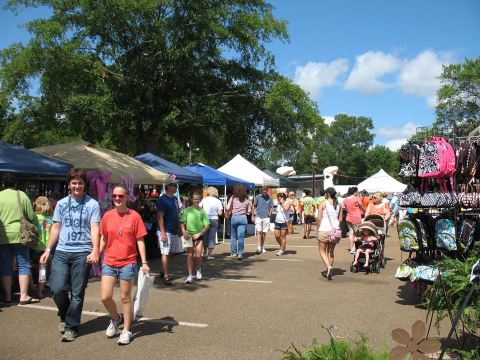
329	234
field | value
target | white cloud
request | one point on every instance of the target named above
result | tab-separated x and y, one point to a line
369	68
395	132
395	144
419	76
328	119
315	76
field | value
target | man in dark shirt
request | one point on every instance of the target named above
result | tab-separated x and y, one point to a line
168	223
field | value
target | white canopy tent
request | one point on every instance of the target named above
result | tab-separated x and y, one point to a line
382	182
245	170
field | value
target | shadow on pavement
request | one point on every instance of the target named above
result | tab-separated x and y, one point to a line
408	296
153	326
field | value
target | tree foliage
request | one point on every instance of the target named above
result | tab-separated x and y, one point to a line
459	96
381	157
151	75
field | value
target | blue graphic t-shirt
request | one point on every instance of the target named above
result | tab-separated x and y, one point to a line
75	217
168	206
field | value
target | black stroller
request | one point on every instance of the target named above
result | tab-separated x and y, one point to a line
376	260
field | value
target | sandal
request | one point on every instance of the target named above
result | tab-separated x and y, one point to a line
167	281
29	301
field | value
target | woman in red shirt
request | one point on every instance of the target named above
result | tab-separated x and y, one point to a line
122	230
353	205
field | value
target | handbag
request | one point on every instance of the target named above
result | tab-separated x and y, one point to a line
335	234
144	285
228	212
29	234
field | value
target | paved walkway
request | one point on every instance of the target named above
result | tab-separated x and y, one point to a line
248	309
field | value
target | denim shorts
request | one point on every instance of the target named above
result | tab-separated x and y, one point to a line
21	253
281	226
127	272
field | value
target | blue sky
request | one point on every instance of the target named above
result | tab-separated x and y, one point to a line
374	58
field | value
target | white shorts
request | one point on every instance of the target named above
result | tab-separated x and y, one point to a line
171	245
262	224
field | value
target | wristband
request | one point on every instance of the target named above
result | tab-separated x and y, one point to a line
143	263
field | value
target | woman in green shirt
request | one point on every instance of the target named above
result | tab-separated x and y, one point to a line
194	223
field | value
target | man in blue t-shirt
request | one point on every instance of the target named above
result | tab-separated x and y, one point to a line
76	226
168	223
262	210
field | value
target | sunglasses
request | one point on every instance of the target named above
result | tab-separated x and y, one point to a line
118	196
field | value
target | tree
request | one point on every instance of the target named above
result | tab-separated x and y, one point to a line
459	96
381	157
138	75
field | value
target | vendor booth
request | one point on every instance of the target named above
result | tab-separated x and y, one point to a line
243	169
381	182
285	182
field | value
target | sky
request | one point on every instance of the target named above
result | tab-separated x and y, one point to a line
374	58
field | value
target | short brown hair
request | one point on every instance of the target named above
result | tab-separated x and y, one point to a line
76	173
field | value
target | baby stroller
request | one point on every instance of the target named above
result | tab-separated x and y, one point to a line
381	226
376	254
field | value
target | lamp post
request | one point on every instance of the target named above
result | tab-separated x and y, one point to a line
314	160
190	152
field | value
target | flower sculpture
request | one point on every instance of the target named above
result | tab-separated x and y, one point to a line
416	346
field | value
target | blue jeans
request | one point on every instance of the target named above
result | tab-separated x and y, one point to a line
69	269
238	225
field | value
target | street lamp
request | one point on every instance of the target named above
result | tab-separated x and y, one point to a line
314	160
190	152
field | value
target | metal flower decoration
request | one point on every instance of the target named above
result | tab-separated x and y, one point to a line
416	346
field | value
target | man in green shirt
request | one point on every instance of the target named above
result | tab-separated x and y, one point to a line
309	206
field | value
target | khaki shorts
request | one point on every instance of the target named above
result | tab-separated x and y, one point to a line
324	236
262	224
352	227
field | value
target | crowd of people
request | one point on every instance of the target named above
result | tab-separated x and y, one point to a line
74	236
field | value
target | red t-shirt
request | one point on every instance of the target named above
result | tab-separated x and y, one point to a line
354	214
121	232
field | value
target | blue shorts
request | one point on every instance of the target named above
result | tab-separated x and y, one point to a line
127	272
281	226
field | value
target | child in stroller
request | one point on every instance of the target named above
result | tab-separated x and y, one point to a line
366	242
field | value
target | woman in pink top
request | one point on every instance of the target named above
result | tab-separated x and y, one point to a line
240	206
354	207
378	207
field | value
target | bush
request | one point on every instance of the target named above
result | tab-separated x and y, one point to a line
336	350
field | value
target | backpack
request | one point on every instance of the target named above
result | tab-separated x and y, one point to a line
409	154
467	233
445	233
437	160
411	234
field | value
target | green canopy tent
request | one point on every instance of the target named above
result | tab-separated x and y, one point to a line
284	181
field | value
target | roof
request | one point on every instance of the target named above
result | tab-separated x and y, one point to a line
18	160
383	182
87	156
284	181
212	176
243	169
181	174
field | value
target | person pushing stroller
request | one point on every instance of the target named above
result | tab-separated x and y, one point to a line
367	236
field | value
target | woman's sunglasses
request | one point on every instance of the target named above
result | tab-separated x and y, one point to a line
119	196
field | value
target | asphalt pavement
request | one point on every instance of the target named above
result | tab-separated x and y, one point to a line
250	309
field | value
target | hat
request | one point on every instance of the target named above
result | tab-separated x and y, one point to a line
291	193
368	225
169	181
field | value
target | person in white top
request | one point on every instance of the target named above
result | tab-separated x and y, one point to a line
281	222
214	208
329	233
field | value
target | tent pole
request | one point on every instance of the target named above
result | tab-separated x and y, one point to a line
224	209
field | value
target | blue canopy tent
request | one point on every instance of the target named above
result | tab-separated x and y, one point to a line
214	177
181	174
18	160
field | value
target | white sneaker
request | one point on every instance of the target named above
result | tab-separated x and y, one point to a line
189	279
259	250
279	253
199	274
113	326
264	251
125	337
211	257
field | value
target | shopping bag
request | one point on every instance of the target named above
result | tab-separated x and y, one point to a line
144	285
